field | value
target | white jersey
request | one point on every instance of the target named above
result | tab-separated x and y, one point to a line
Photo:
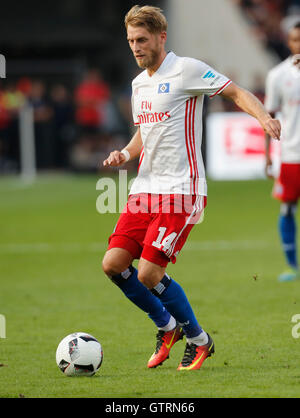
167	107
283	95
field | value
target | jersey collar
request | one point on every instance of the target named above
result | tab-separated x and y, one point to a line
159	72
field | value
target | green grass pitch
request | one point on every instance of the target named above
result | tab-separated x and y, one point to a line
52	241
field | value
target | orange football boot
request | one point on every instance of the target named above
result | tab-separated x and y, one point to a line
164	342
194	355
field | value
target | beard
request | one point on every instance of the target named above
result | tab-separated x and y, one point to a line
150	60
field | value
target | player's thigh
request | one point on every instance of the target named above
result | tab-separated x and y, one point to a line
130	230
116	260
168	232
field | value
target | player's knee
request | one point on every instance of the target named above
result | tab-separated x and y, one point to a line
148	278
110	266
145	280
107	268
115	263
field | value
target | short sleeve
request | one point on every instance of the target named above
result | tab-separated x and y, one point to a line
134	116
272	96
199	78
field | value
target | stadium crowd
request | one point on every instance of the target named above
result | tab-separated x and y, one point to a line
73	128
270	20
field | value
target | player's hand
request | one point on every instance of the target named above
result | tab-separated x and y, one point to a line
268	168
115	159
272	127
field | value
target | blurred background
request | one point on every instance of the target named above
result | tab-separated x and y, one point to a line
65	101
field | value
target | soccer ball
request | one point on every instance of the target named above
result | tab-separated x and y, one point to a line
79	354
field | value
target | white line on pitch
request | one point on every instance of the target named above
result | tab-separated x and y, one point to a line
93	247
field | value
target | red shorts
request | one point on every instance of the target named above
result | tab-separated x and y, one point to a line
287	186
155	227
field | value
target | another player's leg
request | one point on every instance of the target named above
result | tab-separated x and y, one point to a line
287	191
288	235
117	264
199	344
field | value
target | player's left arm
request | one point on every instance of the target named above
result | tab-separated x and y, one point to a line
250	104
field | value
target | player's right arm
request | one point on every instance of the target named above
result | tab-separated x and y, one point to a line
249	103
134	147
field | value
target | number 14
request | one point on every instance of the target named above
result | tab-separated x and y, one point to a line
165	243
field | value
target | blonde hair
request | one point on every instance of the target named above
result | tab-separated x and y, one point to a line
150	17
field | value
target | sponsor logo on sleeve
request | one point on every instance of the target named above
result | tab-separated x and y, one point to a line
210	77
209	74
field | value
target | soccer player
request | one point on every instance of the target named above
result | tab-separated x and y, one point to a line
168	195
283	95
